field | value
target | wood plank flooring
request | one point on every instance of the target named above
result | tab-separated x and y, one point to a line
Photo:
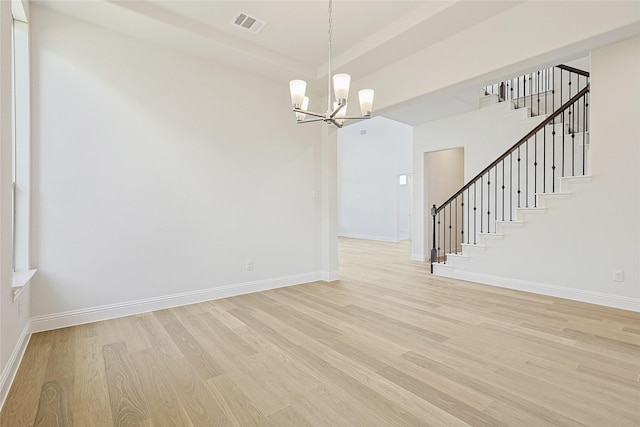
388	345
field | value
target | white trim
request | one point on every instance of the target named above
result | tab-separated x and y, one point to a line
418	257
112	311
20	281
11	368
608	300
330	276
367	237
21	278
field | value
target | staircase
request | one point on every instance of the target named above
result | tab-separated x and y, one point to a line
539	168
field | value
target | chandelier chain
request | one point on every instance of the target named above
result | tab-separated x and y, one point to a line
329	106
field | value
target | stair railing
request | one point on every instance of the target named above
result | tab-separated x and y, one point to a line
556	148
543	91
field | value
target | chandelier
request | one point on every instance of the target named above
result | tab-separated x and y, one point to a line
337	110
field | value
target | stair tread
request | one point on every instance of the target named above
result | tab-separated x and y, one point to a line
531	210
558	194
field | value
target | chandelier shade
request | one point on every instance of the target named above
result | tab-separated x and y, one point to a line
366	101
305	105
341	87
298	89
336	113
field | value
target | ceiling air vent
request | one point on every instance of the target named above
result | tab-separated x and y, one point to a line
248	23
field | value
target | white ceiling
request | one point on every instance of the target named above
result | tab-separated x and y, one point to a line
297	29
294	42
295	39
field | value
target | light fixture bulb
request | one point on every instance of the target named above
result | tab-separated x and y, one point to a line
298	88
366	101
305	104
341	87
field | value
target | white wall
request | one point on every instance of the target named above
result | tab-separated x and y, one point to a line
368	169
160	174
484	134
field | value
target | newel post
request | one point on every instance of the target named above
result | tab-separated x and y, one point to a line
434	251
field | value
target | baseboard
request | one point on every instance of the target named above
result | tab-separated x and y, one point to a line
418	257
11	368
111	311
368	237
330	276
599	298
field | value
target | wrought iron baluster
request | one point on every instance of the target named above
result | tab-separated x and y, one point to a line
570	82
526	176
584	135
553	156
450	231
538	93
553	90
535	170
563	145
511	91
531	92
462	222
456	228
439	237
488	200
481	201
546	91
495	195
468	217
544	160
519	175
573	143
444	234
511	186
475	230
503	190
561	89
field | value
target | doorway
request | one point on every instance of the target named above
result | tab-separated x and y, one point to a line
405	202
443	176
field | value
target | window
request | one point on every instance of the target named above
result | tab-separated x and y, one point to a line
21	147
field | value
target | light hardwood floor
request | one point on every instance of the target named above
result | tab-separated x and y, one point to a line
388	345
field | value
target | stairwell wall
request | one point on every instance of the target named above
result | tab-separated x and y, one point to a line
484	134
571	250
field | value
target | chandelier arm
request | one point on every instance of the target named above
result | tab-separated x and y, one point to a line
310	120
311	113
337	110
334	122
355	117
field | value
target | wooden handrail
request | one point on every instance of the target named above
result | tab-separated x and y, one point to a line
573	70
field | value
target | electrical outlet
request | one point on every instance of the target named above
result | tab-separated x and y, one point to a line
19	308
617	275
248	264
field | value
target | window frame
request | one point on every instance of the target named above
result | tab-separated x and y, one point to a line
21	148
